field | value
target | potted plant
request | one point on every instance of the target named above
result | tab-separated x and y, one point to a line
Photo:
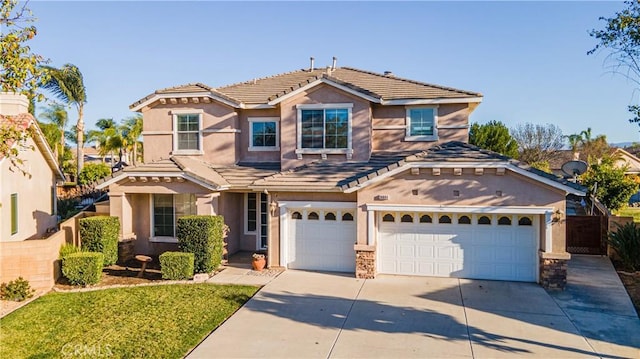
258	262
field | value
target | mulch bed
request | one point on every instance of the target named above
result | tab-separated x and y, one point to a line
126	274
631	282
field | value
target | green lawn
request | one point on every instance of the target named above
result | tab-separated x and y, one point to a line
629	212
164	321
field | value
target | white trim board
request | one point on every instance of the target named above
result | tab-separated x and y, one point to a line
210	95
459	209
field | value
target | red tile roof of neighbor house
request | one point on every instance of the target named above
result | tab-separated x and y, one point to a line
266	89
21	122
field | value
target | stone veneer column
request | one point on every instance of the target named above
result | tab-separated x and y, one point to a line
553	270
365	261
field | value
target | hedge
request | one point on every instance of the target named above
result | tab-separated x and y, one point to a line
176	265
202	236
83	268
67	249
100	234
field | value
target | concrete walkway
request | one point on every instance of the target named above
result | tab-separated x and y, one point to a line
322	315
598	305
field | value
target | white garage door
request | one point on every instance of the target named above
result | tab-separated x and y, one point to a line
322	239
481	246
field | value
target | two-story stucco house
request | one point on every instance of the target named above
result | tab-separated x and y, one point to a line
340	169
27	202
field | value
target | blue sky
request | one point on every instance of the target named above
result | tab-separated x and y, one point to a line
528	59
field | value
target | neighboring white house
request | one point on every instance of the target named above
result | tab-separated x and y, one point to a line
27	203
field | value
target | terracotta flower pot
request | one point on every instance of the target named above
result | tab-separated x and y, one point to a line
258	264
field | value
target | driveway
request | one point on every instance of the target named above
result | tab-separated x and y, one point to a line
321	315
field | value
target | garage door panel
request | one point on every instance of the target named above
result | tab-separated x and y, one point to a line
507	252
321	244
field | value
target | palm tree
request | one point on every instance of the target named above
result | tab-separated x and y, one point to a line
67	84
131	131
108	138
57	115
575	142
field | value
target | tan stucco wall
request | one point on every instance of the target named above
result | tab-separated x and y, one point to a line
232	208
218	147
394	139
361	125
243	142
34	196
475	190
37	260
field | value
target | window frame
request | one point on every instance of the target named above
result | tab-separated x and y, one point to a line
329	106
409	136
14	214
253	120
175	114
169	239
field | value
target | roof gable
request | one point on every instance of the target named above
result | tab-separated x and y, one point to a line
24	121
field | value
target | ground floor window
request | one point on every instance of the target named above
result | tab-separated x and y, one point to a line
167	208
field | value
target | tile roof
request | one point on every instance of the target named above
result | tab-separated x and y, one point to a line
463	152
326	175
380	86
238	176
373	84
323	175
24	121
332	176
21	122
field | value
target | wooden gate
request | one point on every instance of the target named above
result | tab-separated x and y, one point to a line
586	234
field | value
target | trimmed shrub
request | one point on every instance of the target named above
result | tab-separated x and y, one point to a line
626	242
67	249
177	265
202	236
16	290
100	234
83	268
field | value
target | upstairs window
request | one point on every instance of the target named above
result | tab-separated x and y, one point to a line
263	134
324	127
187	133
422	124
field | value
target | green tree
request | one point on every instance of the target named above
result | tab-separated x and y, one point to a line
67	84
614	188
20	72
493	136
536	142
109	138
131	131
57	116
13	140
20	69
93	172
621	37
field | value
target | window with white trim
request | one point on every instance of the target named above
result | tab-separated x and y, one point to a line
264	134
187	132
324	128
167	208
422	124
